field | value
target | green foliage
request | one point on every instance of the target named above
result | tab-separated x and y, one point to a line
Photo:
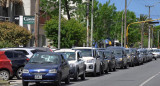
72	32
5	44
14	34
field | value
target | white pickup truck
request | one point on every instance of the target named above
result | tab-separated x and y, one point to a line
91	58
77	65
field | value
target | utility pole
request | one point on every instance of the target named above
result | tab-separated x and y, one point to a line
88	1
36	27
59	26
149	31
142	34
125	23
152	38
158	39
122	32
92	23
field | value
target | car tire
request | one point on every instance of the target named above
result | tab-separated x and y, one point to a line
25	83
76	76
114	69
95	73
83	76
58	83
4	74
67	80
100	70
19	73
106	71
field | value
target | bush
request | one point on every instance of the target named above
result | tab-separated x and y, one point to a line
13	34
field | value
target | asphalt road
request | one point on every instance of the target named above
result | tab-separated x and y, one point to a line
147	74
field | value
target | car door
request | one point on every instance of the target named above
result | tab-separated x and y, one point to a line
98	61
66	68
10	55
62	66
80	62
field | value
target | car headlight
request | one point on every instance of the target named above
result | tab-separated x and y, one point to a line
90	61
53	71
120	59
25	71
108	60
71	65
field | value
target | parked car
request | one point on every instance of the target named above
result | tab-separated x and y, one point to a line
156	53
42	49
130	57
141	55
27	51
46	67
77	65
5	66
91	58
149	55
120	54
18	60
112	62
104	61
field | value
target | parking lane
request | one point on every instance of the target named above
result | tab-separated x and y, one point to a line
133	76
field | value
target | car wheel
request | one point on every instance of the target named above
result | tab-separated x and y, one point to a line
114	69
76	76
25	83
19	73
37	83
110	70
94	73
106	71
4	74
83	76
58	83
67	80
100	70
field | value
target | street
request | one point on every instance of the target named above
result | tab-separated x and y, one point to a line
147	74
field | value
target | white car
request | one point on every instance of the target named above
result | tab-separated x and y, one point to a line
91	58
77	66
27	51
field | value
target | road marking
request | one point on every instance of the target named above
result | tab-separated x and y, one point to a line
149	79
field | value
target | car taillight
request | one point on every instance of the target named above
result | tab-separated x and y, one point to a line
27	59
50	50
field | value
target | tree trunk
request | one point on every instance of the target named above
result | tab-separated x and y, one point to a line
67	9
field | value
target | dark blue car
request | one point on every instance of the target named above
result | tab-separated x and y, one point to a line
46	67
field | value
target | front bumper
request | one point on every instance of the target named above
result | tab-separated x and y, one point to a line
45	78
90	67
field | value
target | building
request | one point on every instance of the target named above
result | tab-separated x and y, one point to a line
14	10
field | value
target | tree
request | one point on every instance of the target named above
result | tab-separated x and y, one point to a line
51	7
16	35
72	32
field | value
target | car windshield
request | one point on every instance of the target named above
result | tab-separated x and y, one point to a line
100	54
108	55
118	52
127	52
70	56
45	58
86	52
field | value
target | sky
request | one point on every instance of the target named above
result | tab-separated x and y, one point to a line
138	6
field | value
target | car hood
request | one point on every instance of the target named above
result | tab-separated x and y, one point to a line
72	62
40	66
87	58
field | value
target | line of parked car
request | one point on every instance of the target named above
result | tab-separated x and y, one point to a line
46	65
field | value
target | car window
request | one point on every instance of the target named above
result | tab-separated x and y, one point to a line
45	58
108	55
23	51
86	52
9	54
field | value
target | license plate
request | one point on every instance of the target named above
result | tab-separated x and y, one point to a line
38	76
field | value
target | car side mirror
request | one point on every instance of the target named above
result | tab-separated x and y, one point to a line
97	56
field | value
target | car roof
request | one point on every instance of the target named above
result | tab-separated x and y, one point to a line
16	49
65	50
83	48
117	47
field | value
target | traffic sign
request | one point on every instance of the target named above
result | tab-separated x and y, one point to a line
28	19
